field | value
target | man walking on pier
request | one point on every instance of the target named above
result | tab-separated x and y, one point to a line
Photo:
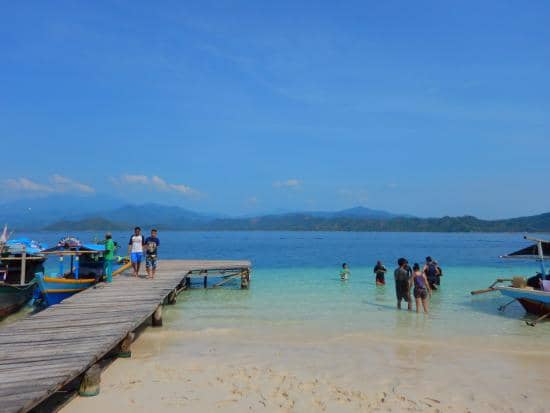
151	243
135	250
109	257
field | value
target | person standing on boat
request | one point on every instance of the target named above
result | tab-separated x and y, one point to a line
421	288
135	250
151	248
109	257
403	283
380	271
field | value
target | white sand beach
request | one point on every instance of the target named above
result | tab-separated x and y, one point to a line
238	370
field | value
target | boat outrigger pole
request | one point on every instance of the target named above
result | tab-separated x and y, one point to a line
540	252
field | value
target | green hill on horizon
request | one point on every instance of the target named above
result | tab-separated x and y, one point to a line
310	222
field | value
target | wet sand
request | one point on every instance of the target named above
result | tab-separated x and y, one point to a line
283	370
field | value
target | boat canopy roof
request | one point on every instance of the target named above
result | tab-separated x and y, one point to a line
531	252
15	246
83	247
74	244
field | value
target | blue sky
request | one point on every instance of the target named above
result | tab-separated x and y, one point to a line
430	108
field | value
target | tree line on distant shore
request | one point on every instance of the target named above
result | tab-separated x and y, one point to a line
305	222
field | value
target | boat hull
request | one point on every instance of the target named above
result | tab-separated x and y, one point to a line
533	301
534	307
54	289
13	297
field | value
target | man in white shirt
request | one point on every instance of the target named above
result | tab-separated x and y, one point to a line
135	250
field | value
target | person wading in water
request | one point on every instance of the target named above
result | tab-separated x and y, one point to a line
380	272
421	288
345	272
403	283
432	272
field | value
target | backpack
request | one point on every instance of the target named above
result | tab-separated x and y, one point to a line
432	271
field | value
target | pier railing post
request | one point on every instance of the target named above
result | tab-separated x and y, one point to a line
156	319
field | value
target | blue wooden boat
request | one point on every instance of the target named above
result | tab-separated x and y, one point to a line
532	293
86	268
533	301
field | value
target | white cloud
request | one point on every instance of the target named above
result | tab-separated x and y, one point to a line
134	179
289	183
26	185
160	183
156	182
57	183
64	184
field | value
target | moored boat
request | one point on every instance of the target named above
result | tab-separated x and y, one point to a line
13	297
20	260
532	293
86	268
535	302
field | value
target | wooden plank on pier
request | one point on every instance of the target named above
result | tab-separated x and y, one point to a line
42	353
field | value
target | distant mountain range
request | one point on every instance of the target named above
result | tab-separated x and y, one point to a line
175	218
62	213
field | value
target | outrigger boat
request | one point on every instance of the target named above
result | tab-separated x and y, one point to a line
86	269
20	260
532	293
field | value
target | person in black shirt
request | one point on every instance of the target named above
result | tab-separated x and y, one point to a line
151	248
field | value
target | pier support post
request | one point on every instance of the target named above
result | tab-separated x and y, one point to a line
125	351
172	297
89	386
245	279
205	281
157	317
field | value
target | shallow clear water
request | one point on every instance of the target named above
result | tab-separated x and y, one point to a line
295	283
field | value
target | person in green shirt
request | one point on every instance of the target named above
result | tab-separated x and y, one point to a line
109	256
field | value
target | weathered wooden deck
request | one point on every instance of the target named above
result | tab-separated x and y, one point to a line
42	353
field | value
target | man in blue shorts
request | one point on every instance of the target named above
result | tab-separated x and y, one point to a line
151	249
135	250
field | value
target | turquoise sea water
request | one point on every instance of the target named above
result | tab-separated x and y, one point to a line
295	283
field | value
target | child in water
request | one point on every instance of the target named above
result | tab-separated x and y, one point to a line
345	273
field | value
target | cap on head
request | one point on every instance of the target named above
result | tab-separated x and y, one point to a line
428	259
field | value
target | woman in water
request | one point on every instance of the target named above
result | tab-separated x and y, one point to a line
345	273
380	271
421	288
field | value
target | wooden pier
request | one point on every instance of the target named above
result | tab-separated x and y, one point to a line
42	353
